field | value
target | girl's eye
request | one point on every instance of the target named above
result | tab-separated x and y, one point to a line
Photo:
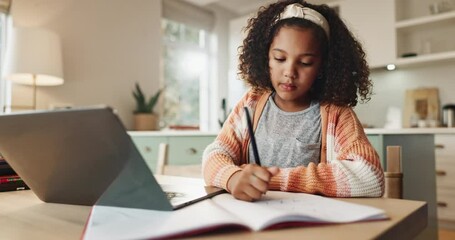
280	59
306	63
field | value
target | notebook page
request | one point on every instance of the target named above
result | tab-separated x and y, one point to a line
113	223
276	207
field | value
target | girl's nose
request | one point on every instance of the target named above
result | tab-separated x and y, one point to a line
290	75
290	71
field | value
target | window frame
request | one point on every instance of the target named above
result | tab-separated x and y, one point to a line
5	88
204	83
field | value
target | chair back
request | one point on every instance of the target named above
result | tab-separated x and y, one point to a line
393	174
164	168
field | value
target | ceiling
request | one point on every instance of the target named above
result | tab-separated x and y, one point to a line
242	7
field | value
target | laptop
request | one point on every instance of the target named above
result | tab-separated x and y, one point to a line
85	157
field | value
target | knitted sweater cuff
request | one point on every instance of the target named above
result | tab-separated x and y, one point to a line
227	174
275	183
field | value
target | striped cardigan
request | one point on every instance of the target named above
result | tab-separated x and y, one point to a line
349	165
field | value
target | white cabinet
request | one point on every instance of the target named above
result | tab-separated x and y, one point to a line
445	179
390	29
430	36
373	24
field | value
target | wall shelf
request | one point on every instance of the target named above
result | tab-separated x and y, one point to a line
426	20
428	36
426	59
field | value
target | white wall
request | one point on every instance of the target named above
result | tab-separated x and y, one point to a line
220	66
390	87
236	86
108	45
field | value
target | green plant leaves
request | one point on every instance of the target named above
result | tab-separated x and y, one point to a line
142	105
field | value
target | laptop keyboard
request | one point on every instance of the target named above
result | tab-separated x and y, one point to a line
171	195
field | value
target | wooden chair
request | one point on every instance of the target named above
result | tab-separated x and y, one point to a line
393	174
163	167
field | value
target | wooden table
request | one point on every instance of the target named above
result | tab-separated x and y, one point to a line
24	216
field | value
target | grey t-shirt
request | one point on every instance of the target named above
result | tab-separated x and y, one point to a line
288	139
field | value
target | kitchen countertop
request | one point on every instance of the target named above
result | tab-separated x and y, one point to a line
410	131
166	133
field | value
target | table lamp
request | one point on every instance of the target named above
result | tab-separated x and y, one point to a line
33	57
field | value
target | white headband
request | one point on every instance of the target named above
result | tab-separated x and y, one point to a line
296	10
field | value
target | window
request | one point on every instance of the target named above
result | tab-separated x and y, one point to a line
187	32
185	72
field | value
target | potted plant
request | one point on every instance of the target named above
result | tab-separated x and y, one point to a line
144	116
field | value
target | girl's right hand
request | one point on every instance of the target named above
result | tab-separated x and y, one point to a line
251	182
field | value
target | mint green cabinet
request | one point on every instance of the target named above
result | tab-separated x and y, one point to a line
183	149
418	166
149	147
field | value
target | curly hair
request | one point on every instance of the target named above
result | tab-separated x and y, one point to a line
344	74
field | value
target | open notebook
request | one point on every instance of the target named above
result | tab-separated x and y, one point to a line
274	210
85	156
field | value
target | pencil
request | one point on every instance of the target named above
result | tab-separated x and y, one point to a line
253	140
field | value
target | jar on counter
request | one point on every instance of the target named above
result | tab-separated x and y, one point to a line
448	115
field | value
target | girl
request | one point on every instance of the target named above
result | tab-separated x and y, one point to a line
306	72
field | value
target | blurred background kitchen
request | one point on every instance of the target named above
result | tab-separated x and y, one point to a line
190	47
99	50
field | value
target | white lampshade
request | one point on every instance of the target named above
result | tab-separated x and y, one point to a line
34	52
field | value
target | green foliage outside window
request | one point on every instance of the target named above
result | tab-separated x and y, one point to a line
184	66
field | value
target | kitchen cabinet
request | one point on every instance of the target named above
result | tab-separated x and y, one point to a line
148	147
185	148
418	161
445	179
389	29
428	35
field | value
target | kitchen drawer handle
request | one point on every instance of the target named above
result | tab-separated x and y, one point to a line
439	146
148	149
440	173
442	204
191	151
